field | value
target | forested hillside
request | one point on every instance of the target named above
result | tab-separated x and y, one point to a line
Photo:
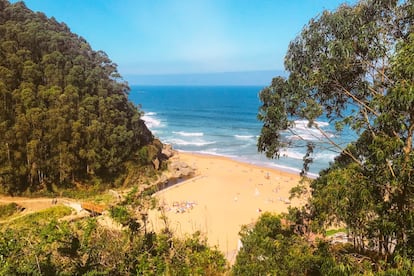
64	112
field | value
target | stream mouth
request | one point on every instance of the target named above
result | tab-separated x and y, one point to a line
173	181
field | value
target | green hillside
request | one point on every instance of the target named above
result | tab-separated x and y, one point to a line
64	112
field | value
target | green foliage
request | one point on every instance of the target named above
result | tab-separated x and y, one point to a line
94	192
120	214
26	241
39	218
332	232
64	113
164	255
198	258
85	248
150	191
355	58
7	210
143	155
272	249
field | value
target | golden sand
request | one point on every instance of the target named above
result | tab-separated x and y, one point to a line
223	196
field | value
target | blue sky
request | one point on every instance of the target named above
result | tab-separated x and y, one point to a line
163	37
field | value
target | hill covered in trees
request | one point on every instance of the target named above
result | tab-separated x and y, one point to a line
64	112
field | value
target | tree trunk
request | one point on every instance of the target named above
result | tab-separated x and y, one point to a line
8	152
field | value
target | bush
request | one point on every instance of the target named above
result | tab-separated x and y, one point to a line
8	209
120	214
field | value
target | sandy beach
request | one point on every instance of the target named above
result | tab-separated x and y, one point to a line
223	196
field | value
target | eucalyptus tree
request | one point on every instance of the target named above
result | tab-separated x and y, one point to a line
271	248
354	66
64	111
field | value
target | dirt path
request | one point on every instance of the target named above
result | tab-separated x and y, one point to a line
32	204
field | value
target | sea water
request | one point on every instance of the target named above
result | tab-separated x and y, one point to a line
222	120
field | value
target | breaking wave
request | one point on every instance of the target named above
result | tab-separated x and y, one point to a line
198	143
189	134
244	137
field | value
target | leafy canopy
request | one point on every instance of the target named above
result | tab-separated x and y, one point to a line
64	112
354	66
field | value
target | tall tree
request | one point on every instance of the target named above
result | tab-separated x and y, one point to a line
354	66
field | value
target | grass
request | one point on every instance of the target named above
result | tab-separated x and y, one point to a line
104	198
39	218
332	232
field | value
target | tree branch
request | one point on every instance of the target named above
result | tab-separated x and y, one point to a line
356	99
337	146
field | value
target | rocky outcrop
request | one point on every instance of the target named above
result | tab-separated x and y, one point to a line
152	154
167	151
146	135
156	163
162	156
178	172
163	153
157	153
180	169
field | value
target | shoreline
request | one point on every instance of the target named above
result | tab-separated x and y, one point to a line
223	195
275	167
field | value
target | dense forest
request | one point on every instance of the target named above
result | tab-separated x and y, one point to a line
64	112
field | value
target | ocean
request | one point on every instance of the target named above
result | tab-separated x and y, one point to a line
222	120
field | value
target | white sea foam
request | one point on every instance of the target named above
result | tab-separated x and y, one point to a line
299	155
291	154
304	124
311	136
151	121
189	134
215	152
244	137
284	168
326	156
301	131
198	143
291	169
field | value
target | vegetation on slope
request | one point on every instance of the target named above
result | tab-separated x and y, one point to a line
64	112
7	210
274	248
45	244
357	58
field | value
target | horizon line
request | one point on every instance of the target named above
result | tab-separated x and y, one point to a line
240	78
205	73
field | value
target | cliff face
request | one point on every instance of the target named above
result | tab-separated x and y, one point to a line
64	111
146	136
